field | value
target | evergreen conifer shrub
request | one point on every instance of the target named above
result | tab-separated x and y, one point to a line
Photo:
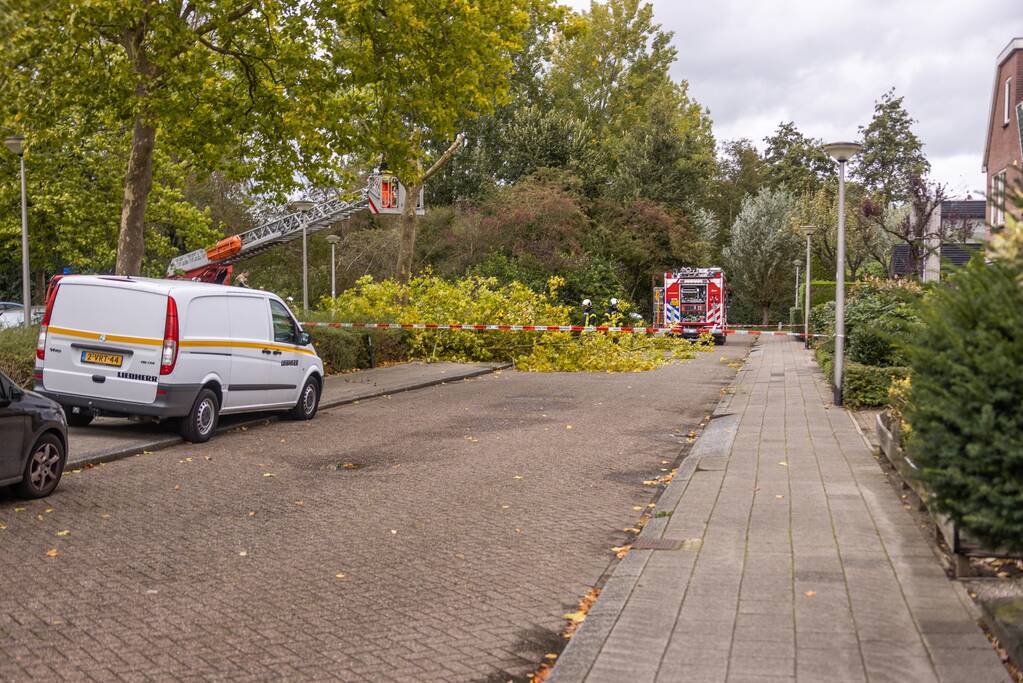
966	400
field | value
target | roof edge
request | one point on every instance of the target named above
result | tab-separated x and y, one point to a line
1003	56
1014	44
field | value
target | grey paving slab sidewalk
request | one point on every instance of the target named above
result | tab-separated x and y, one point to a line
788	557
108	439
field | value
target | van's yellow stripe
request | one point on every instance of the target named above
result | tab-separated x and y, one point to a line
84	334
243	345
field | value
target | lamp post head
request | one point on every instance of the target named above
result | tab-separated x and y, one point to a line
332	239
808	230
16	144
302	205
842	151
798	263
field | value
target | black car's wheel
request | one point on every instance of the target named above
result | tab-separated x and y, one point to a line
82	419
44	467
200	423
719	339
308	401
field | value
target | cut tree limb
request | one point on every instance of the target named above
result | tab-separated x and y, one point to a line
407	245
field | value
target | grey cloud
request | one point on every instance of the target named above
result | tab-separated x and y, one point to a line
822	64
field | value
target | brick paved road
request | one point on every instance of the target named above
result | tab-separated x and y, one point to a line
476	518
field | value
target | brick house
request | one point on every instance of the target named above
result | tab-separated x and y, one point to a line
1003	153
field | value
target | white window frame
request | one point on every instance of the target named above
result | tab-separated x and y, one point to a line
1007	108
997	199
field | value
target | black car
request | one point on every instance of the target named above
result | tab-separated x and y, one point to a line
33	440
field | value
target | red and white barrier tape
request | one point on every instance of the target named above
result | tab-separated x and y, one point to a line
551	328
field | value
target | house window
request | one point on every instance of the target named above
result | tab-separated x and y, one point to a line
997	199
1007	108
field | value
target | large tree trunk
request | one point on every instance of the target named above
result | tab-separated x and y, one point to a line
765	314
407	226
137	184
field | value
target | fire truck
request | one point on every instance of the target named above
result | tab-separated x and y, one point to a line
694	301
383	194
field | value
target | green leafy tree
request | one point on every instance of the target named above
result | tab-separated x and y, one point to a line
248	87
75	194
607	64
865	242
761	249
535	138
433	66
892	156
741	172
795	161
668	157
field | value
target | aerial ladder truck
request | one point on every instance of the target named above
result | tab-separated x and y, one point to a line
383	194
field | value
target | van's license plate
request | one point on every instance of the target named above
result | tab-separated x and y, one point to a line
97	358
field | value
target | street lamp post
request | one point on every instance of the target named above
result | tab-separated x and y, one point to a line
16	144
333	240
303	205
840	152
808	230
797	263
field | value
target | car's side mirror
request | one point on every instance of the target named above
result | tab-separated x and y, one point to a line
16	393
303	338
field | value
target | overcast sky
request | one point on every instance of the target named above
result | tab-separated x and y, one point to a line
823	63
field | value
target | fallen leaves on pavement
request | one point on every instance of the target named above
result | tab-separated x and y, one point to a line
621	550
52	552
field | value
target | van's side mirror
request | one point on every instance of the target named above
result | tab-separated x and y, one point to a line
303	338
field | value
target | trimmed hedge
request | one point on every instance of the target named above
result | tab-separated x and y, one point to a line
821	292
866	386
863	386
342	350
18	353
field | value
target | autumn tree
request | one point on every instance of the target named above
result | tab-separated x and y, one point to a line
761	249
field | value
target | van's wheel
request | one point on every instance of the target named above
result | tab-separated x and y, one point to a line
200	423
308	401
44	467
82	419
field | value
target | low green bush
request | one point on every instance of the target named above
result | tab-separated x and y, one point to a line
966	400
866	386
18	353
873	344
342	350
795	316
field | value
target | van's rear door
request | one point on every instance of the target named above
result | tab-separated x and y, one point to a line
105	341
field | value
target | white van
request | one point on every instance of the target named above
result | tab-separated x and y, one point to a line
172	349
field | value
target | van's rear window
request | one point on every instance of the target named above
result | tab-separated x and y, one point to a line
109	310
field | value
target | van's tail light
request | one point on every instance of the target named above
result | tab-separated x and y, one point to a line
50	297
169	356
